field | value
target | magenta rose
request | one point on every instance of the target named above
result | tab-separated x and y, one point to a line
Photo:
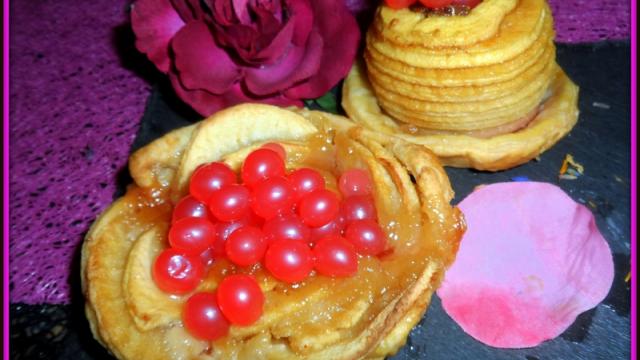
218	53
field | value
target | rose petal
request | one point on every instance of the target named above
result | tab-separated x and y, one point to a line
276	47
275	7
155	22
238	36
307	66
271	6
222	12
298	64
196	7
301	13
265	40
201	64
265	80
341	35
531	260
242	11
266	22
201	101
206	103
184	10
310	64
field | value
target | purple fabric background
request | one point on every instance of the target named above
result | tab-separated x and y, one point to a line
77	92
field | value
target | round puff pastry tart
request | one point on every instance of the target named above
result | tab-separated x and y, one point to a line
481	90
368	315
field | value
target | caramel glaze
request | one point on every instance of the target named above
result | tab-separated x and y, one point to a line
322	308
450	10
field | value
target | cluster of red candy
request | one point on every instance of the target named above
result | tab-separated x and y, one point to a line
431	4
290	223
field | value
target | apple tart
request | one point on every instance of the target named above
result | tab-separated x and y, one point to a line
366	315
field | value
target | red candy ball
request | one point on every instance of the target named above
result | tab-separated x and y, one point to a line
222	232
360	207
240	299
305	181
224	229
272	196
335	257
246	246
288	227
436	4
192	234
279	149
177	272
334	228
203	318
261	164
189	206
399	4
355	182
366	236
230	203
207	257
289	261
318	208
209	178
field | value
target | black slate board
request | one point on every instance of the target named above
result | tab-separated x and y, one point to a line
600	141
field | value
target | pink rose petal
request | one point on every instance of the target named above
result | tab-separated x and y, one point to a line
222	12
237	37
310	64
275	7
196	7
155	22
278	45
206	103
183	9
530	262
201	64
242	11
302	13
341	35
299	64
264	80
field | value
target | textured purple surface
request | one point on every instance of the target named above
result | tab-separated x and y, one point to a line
74	111
75	107
588	21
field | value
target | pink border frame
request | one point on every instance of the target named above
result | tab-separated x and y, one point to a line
5	184
634	194
5	179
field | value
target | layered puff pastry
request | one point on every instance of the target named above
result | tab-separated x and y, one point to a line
481	90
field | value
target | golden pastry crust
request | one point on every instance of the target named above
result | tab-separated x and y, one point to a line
469	90
135	320
481	90
411	28
461	76
555	118
517	30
